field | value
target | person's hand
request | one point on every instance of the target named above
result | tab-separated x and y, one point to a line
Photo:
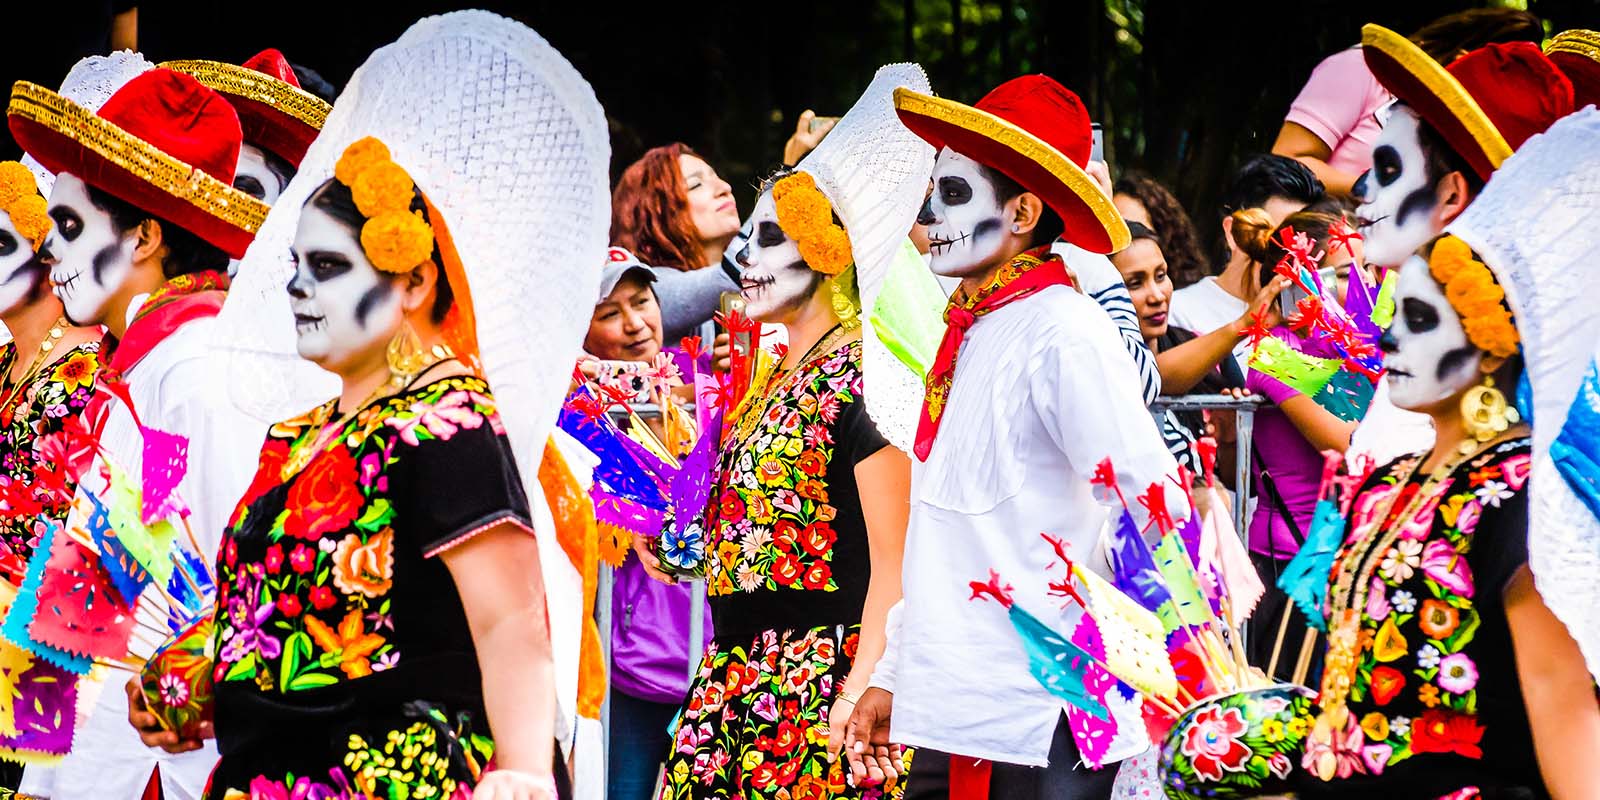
149	727
721	353
838	722
873	760
507	784
1101	174
1266	298
806	138
647	559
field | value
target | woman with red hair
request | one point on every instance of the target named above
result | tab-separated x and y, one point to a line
673	211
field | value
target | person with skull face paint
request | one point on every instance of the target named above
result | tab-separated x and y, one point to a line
1031	391
145	220
49	369
1447	672
1446	134
807	512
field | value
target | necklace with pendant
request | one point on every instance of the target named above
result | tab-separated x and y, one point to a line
48	344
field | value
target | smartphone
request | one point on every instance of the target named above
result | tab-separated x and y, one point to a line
730	302
1097	150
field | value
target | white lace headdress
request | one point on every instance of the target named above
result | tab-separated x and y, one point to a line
1537	225
875	173
508	142
90	83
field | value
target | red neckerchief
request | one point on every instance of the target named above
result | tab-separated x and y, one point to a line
1026	274
182	299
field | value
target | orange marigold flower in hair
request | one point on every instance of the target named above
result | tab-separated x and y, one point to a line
1467	287
1493	333
1449	255
827	251
361	154
16	181
381	188
30	218
397	241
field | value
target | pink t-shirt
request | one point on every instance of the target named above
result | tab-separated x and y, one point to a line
1337	104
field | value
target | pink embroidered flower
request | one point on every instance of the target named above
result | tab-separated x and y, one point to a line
1447	568
302	558
1376	757
1421	523
443	419
1378	600
173	691
1279	765
1212	742
1457	674
1467	520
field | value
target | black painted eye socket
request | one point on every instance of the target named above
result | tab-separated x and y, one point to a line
954	191
68	223
1386	166
8	243
1420	315
768	234
250	186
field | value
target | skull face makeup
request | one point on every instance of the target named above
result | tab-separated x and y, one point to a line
255	177
776	280
965	218
1427	353
20	269
343	306
1398	195
89	258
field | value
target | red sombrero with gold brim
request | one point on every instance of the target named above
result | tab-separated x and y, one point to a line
277	115
1035	131
1577	53
163	142
1485	104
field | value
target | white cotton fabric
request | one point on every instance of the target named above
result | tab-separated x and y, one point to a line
174	388
875	172
1537	225
509	143
1043	391
1205	306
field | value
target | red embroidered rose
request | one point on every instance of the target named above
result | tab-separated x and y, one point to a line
289	605
1212	742
731	507
812	463
1386	684
817	576
763	776
1441	731
812	490
818	538
790	736
269	473
851	642
786	569
322	598
784	534
810	788
325	497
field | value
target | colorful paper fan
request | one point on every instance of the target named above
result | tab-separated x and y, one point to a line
177	680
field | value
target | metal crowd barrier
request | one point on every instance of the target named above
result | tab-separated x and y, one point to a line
1245	407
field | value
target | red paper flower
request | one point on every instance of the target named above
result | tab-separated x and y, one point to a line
1212	742
1442	731
325	497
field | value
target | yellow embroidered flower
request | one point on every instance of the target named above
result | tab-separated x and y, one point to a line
358	157
1296	727
381	188
397	241
29	217
75	371
1272	729
1389	644
752	759
1375	726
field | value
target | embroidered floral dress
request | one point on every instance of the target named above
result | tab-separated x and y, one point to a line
344	664
1424	655
787	579
30	452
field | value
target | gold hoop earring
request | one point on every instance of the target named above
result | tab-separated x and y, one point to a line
843	307
1485	414
406	354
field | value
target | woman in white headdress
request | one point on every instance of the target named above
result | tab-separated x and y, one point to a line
382	626
807	515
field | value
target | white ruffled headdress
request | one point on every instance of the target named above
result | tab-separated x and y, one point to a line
1537	225
90	83
509	143
875	173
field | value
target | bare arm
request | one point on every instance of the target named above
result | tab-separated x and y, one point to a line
883	480
1185	365
502	591
1320	427
1298	142
1558	691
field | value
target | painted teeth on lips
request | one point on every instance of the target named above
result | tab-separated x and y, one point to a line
935	242
763	281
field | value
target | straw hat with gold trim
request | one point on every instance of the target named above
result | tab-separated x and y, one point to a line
1035	131
1485	104
163	142
1577	53
276	114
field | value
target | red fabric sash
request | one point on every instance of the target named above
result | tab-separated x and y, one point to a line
183	299
1027	273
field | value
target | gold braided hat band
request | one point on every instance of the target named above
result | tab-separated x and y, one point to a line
19	198
1576	41
1437	82
137	157
236	81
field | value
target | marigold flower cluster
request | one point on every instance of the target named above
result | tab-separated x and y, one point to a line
19	198
806	216
395	238
1471	289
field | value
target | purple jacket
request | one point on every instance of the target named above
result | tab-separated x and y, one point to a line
650	636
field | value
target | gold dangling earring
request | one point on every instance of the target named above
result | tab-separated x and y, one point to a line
1485	414
843	307
405	354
